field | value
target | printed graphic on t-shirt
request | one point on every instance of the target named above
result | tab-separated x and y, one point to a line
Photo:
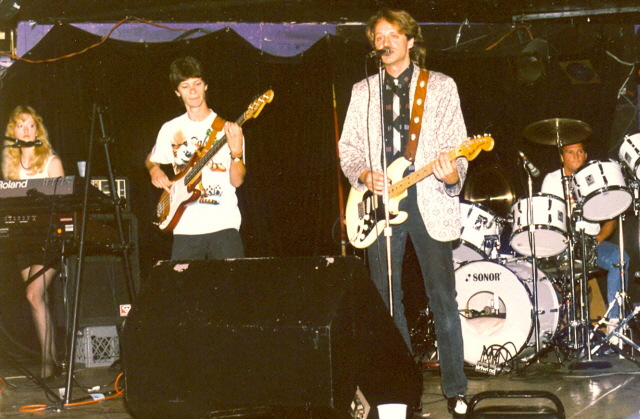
183	151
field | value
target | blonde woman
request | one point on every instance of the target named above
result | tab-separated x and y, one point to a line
28	163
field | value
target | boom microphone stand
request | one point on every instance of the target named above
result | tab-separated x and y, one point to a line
534	265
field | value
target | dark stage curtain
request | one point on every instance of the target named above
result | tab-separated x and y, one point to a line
289	201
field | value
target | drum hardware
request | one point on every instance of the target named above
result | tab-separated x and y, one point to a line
620	300
576	323
618	331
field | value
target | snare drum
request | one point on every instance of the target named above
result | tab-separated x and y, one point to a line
629	153
549	225
601	190
496	307
479	235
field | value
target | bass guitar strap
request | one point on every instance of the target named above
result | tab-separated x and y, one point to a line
216	127
419	101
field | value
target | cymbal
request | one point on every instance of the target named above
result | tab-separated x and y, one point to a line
497	195
557	131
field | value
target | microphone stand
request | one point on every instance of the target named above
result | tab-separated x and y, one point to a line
385	194
118	203
127	269
534	265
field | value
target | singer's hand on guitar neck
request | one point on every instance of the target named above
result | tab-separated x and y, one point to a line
446	170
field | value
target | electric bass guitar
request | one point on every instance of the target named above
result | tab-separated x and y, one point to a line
364	215
185	190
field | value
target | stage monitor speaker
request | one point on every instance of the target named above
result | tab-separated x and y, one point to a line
216	338
104	297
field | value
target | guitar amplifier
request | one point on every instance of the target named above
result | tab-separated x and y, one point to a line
122	186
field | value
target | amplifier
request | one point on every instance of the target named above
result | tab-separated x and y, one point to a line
16	231
122	185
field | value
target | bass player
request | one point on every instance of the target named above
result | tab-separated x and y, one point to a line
209	227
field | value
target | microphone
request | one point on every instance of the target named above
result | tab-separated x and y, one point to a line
530	167
22	144
379	52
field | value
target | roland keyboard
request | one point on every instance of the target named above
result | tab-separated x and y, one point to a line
64	185
39	211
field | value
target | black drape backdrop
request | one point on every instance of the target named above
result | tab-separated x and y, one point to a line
289	201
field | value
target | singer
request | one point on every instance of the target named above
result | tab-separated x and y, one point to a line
432	204
27	163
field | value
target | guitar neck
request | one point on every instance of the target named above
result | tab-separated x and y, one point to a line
197	168
405	183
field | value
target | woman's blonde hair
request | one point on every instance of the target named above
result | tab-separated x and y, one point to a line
11	156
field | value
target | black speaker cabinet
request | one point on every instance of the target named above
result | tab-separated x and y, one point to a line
104	297
218	338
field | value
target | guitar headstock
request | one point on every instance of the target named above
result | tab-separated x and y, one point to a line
256	106
472	146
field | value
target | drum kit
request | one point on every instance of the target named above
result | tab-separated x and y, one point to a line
528	300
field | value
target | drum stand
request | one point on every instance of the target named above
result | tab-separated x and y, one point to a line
579	337
572	320
620	300
534	265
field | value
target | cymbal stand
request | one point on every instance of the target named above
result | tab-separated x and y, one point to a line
572	320
582	321
584	293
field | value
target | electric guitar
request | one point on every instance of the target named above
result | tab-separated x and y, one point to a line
364	215
185	190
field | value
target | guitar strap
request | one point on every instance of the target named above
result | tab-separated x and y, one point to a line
216	127
419	100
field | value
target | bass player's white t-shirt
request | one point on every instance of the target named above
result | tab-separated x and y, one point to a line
217	209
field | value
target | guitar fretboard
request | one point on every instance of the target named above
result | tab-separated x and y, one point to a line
197	168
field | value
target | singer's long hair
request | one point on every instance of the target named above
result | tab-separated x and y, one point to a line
407	25
11	156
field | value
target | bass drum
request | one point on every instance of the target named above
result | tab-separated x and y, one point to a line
17	332
496	307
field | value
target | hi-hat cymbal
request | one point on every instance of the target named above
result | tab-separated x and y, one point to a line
557	131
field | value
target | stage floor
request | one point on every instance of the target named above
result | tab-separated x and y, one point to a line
610	392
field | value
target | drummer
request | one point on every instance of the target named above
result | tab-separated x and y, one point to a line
573	156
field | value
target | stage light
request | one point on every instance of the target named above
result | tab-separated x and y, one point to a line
9	9
530	65
580	71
